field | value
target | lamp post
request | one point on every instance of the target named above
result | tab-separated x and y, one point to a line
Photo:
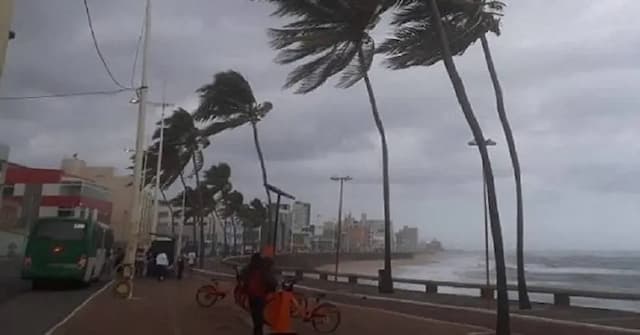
489	143
339	230
132	243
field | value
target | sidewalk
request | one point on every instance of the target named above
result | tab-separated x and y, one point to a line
157	308
169	308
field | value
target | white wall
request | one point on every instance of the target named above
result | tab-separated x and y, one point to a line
6	238
48	211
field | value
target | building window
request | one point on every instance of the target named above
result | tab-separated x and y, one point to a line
70	189
64	212
7	191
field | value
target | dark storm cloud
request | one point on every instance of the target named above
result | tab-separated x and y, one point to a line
570	91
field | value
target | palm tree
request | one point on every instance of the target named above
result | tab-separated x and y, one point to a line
183	143
432	27
417	43
334	36
216	181
523	296
228	102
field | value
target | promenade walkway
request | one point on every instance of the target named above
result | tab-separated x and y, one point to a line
160	308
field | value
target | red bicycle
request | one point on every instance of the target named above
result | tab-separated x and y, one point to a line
208	294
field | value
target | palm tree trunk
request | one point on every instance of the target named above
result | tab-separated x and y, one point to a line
387	283
256	142
502	326
523	295
184	214
172	219
235	240
200	216
226	243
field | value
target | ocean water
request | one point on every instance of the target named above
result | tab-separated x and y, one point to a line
595	271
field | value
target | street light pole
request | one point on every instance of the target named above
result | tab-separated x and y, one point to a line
132	243
339	230
488	142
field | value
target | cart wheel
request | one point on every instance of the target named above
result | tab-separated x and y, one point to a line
123	288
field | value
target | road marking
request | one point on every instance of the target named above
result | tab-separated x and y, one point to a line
459	308
77	309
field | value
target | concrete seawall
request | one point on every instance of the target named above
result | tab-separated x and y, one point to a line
314	260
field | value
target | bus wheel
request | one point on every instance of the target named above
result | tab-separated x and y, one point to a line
122	288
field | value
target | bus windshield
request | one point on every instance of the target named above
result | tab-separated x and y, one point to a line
66	230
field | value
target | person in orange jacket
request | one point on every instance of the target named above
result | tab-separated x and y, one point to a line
259	282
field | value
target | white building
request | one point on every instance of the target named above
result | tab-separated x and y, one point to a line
376	233
301	230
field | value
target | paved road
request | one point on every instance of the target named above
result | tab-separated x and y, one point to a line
10	282
34	312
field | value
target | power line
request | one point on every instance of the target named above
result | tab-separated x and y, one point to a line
135	59
97	47
64	95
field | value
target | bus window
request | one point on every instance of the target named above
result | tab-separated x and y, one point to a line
65	231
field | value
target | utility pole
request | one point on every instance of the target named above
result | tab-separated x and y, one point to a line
134	226
156	205
339	228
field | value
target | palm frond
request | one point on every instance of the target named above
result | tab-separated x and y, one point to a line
359	65
313	74
214	128
328	34
415	41
228	94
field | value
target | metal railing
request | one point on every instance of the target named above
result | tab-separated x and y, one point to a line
561	296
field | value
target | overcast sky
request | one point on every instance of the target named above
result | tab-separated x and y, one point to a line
568	69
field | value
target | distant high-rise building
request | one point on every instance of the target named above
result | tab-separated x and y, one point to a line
407	239
301	231
301	212
376	231
284	230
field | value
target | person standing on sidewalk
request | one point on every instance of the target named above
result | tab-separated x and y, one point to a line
259	282
162	263
140	262
180	264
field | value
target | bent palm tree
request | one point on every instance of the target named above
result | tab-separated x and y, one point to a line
417	43
216	180
334	35
184	143
502	327
228	102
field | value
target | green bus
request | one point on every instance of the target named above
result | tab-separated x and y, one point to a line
67	248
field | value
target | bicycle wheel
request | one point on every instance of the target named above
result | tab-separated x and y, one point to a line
207	295
298	311
325	318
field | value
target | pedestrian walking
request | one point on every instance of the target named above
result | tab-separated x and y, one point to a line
180	264
162	263
191	260
258	281
118	259
140	262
